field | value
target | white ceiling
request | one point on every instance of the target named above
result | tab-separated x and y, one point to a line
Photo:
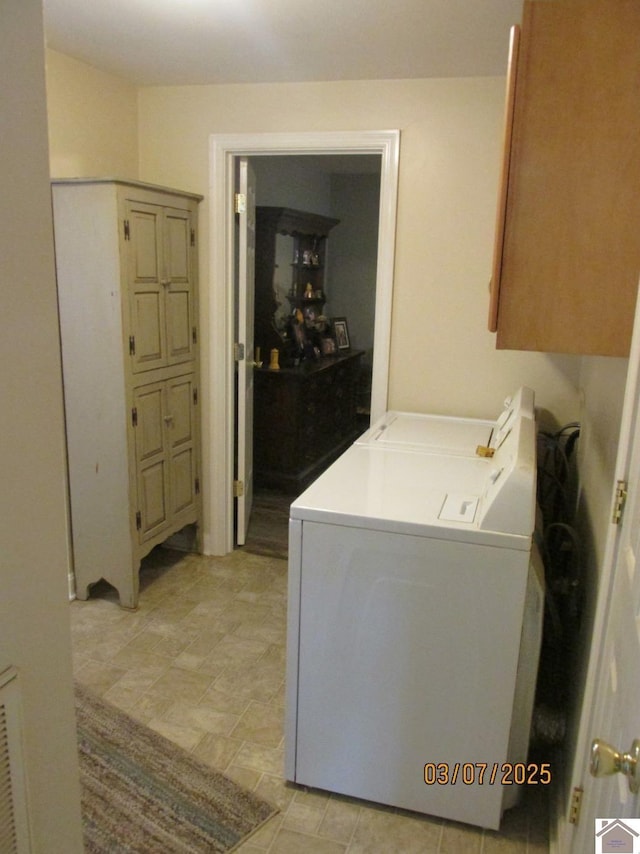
174	42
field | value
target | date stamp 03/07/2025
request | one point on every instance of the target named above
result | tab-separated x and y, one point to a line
487	773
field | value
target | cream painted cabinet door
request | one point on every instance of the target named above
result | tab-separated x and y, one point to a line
165	427
152	459
179	238
159	246
145	271
181	428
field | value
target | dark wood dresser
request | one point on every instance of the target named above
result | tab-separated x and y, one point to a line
304	418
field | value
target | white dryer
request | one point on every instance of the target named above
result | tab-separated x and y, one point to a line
415	614
412	431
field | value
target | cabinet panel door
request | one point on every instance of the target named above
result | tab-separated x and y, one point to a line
152	459
571	249
181	426
179	291
182	481
146	280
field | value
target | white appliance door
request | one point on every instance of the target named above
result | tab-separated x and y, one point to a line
406	666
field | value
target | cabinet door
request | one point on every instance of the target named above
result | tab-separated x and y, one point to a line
146	281
160	273
178	238
152	459
571	250
181	438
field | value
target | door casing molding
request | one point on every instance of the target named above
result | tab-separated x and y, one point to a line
218	416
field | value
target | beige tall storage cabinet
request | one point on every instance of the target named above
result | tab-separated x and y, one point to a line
127	288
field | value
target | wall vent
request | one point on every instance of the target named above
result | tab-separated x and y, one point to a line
14	829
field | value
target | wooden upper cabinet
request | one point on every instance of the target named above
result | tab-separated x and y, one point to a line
567	255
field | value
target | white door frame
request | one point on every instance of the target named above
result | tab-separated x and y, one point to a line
219	415
566	834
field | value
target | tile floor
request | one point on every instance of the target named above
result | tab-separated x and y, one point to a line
202	662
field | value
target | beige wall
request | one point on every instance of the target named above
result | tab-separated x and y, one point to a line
93	118
34	559
442	357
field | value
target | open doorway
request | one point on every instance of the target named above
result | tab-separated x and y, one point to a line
326	208
218	419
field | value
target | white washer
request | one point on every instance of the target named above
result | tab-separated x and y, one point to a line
414	626
412	431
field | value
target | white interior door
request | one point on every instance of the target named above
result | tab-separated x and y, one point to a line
612	698
246	207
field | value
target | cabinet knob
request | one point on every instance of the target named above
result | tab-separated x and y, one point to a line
165	282
168	419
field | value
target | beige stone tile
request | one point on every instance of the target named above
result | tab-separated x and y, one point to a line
262	724
123	696
142	661
150	705
144	677
204	642
217	750
246	777
339	820
276	791
185	737
276	656
251	683
270	630
248	848
186	685
234	650
264	836
144	641
219	701
208	720
293	842
459	837
99	677
305	815
171	647
260	758
381	831
497	844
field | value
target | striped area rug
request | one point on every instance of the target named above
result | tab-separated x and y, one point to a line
145	795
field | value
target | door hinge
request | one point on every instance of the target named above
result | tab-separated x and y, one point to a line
620	499
127	230
238	352
197	486
194	334
138	520
575	805
193	237
132	345
238	488
195	397
134	416
240	203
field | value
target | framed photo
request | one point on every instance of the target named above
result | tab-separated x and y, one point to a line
328	346
341	333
